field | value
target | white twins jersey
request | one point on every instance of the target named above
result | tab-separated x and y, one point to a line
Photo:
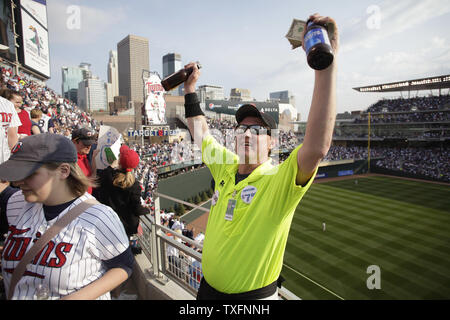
8	119
72	259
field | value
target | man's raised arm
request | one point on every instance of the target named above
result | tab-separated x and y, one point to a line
196	119
322	114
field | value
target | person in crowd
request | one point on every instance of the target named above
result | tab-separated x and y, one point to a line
9	123
83	138
195	273
119	189
17	100
173	256
36	115
90	256
46	123
248	226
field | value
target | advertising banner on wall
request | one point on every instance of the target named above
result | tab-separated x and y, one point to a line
37	9
36	53
230	107
155	105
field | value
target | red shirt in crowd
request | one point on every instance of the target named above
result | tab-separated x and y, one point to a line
25	128
83	163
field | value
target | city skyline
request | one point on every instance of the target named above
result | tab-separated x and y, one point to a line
243	46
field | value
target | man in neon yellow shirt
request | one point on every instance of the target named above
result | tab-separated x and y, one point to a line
254	201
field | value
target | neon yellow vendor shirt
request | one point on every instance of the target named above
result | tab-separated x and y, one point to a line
246	252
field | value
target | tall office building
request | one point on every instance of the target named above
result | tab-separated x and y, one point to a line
113	76
284	96
71	77
92	95
133	58
172	63
86	70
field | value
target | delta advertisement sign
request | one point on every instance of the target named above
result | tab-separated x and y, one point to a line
230	107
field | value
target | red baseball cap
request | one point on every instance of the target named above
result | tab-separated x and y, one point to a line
123	148
129	159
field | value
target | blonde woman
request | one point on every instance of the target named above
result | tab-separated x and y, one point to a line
90	256
119	189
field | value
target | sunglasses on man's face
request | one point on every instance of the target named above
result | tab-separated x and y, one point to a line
254	129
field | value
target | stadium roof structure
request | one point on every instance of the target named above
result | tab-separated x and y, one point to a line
439	82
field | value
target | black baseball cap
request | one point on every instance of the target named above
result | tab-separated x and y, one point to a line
250	110
30	153
85	135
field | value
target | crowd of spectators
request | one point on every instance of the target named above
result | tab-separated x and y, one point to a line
165	153
64	114
418	109
179	152
429	116
410	104
350	153
430	162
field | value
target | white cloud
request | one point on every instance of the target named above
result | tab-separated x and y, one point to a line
438	42
431	59
396	17
80	24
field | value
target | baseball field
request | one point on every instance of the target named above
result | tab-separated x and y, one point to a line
344	230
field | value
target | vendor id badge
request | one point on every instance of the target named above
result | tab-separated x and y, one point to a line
230	209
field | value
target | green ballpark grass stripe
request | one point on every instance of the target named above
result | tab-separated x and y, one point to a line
372	221
339	277
400	237
399	216
419	184
362	200
375	242
376	219
306	263
413	255
392	242
329	191
315	282
304	288
411	267
401	190
362	257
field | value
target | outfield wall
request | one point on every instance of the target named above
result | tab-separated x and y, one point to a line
334	169
398	173
184	186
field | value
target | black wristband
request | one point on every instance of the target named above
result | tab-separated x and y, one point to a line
192	106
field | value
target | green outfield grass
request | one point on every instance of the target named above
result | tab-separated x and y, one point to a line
402	226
